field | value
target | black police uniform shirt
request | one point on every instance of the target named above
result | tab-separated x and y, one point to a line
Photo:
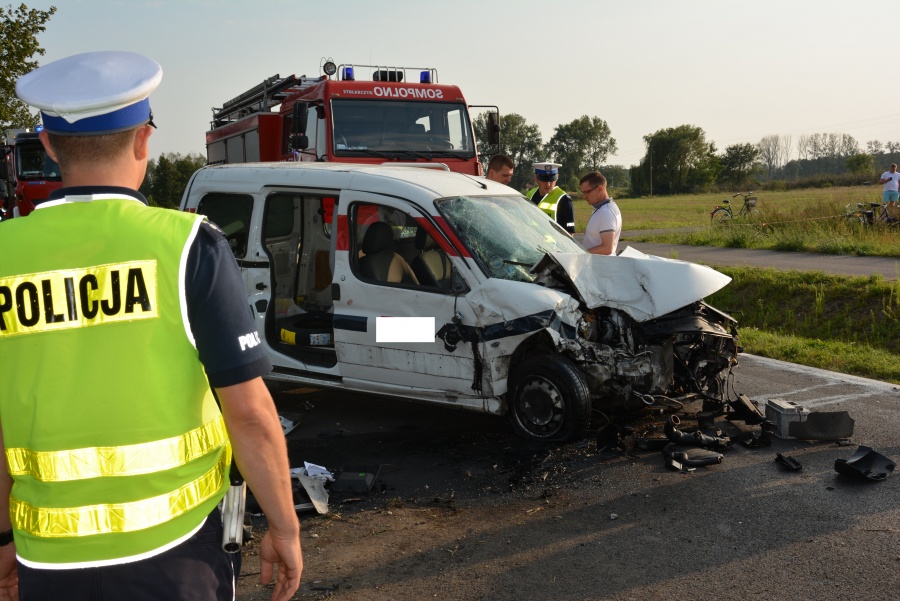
216	301
565	210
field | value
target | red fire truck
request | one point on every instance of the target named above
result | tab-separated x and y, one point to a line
347	116
27	172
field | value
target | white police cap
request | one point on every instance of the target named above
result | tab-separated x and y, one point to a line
546	172
92	93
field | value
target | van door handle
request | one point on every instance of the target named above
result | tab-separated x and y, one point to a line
261	286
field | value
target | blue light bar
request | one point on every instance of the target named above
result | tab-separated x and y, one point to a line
347	74
425	77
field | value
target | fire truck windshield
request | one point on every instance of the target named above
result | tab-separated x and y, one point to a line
423	129
33	162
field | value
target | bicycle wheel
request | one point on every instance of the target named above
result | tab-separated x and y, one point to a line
855	219
720	217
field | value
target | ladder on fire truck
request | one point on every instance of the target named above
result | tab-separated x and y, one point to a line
261	98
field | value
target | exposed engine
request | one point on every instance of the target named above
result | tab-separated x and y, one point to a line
687	352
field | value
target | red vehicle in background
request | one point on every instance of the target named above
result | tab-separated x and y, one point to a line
346	116
27	173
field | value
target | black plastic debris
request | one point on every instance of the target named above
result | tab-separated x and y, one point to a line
696	438
865	463
823	425
745	410
788	462
687	458
651	444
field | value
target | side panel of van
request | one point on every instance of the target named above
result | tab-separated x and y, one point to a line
381	272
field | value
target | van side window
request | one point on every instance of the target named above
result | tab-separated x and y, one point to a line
389	246
231	213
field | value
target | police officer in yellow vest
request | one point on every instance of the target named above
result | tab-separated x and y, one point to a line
551	199
117	322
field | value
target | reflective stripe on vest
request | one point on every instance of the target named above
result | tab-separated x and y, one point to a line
126	460
62	522
549	203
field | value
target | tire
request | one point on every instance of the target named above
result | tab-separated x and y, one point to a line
549	400
720	216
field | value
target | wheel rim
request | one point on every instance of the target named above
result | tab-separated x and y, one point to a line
541	406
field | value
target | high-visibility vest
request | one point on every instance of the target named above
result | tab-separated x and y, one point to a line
113	438
549	203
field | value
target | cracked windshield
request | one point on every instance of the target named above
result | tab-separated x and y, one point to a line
506	234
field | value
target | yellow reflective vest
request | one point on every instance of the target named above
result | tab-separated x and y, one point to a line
549	203
113	438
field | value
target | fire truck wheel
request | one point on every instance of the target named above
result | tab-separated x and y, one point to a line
550	400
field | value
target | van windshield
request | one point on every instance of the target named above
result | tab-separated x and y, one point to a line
507	235
407	128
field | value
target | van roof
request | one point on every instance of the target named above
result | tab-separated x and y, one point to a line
414	183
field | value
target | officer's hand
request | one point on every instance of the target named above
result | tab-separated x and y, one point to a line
9	574
285	553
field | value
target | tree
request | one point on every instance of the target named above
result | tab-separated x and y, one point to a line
580	146
775	151
519	140
168	176
861	163
678	160
738	164
18	45
874	147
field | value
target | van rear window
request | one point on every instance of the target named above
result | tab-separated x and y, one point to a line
231	213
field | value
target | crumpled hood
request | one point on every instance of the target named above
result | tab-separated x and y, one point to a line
643	286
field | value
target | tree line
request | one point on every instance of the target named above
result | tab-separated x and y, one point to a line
679	160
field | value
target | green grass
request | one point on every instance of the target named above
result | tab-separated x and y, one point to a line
800	220
848	325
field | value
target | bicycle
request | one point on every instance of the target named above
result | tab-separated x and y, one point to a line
724	213
875	214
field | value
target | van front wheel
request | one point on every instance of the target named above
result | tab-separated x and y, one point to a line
549	400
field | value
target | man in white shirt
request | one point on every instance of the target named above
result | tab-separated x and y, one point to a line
601	236
891	181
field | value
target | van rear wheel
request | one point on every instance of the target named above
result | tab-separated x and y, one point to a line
549	400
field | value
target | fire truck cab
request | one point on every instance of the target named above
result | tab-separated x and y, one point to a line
27	172
346	116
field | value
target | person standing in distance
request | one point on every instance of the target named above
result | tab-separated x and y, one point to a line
601	236
551	199
500	169
117	324
891	181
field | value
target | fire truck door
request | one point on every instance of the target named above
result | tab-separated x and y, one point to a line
379	271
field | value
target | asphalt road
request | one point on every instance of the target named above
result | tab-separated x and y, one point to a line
466	510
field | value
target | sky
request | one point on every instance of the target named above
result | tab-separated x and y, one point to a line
738	70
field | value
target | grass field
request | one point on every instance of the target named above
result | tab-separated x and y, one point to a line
849	325
811	220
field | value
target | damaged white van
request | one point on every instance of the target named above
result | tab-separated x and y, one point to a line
518	319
